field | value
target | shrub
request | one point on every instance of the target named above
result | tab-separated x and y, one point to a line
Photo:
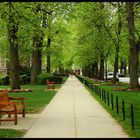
56	79
28	79
23	79
4	80
25	70
41	79
62	74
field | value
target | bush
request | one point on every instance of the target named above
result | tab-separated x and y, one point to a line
4	80
25	70
56	79
61	74
28	79
23	79
41	79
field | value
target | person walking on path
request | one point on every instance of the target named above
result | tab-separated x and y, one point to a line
74	113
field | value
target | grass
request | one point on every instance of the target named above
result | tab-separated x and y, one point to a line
11	133
35	102
129	98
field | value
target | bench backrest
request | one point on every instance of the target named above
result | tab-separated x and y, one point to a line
3	98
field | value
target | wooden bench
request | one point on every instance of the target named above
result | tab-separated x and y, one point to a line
50	84
7	106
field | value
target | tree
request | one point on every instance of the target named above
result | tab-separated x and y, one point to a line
37	44
134	45
12	26
118	41
92	39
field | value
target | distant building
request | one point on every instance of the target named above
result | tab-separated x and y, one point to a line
3	68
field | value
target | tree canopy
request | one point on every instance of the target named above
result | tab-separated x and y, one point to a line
61	36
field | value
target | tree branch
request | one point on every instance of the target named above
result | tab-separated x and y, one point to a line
15	9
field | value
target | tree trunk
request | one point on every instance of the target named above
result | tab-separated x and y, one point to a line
36	59
83	71
117	45
115	65
123	70
37	47
13	52
96	70
133	58
121	67
48	68
92	70
101	77
14	61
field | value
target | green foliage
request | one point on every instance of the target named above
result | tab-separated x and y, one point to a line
56	79
4	80
62	74
25	70
23	79
81	33
41	79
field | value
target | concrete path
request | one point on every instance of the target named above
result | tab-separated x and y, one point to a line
74	113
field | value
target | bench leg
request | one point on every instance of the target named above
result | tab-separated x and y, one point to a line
23	112
15	117
0	118
9	115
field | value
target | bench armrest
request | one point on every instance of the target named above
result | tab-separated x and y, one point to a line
8	103
18	98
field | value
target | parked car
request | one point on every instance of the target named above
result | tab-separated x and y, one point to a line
110	76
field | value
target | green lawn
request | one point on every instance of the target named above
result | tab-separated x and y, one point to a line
35	101
11	133
129	98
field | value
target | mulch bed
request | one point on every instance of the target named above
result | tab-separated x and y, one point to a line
16	90
126	89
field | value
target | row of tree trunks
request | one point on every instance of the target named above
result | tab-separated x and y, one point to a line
91	71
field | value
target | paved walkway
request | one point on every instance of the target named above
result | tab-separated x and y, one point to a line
74	113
